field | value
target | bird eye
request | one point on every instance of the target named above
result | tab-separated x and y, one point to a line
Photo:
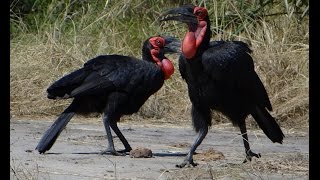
199	13
158	42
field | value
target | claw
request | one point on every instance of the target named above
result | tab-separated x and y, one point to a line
187	163
124	151
251	154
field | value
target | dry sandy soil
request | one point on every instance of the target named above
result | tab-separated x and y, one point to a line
75	155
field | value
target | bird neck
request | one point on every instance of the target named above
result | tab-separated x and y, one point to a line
194	38
165	64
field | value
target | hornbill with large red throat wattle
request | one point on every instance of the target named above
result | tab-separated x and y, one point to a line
114	85
220	76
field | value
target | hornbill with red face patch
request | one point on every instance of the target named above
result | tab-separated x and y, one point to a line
114	85
220	76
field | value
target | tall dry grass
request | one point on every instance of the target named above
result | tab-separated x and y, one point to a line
60	38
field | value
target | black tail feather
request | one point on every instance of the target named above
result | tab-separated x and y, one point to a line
54	131
268	124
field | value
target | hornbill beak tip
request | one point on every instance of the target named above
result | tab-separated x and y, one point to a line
172	44
181	14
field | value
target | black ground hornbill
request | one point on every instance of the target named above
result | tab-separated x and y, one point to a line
220	76
114	85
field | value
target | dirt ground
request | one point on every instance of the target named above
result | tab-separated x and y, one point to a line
75	155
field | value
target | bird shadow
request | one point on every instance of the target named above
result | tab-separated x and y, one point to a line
169	154
158	154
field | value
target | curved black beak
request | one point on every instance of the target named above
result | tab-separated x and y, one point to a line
182	14
172	45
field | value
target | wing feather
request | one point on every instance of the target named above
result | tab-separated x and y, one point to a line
230	61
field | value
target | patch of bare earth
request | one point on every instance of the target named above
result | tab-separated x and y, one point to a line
76	153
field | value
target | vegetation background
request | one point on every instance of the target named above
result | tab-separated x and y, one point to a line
50	38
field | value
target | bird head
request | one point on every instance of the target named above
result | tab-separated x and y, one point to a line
198	36
155	48
192	15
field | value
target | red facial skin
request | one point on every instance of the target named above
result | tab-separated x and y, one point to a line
193	39
165	65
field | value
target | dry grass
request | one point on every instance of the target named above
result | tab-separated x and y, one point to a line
20	171
291	166
40	57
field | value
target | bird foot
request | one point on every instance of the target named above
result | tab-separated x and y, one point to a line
187	163
251	154
113	152
124	151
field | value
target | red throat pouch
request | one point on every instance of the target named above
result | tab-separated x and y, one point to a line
189	45
167	68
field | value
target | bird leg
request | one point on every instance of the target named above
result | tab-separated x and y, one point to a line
110	149
124	141
249	153
189	158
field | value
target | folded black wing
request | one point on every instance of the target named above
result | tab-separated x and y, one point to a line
101	75
231	61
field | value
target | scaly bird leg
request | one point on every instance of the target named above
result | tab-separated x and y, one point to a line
110	149
124	141
189	158
249	153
